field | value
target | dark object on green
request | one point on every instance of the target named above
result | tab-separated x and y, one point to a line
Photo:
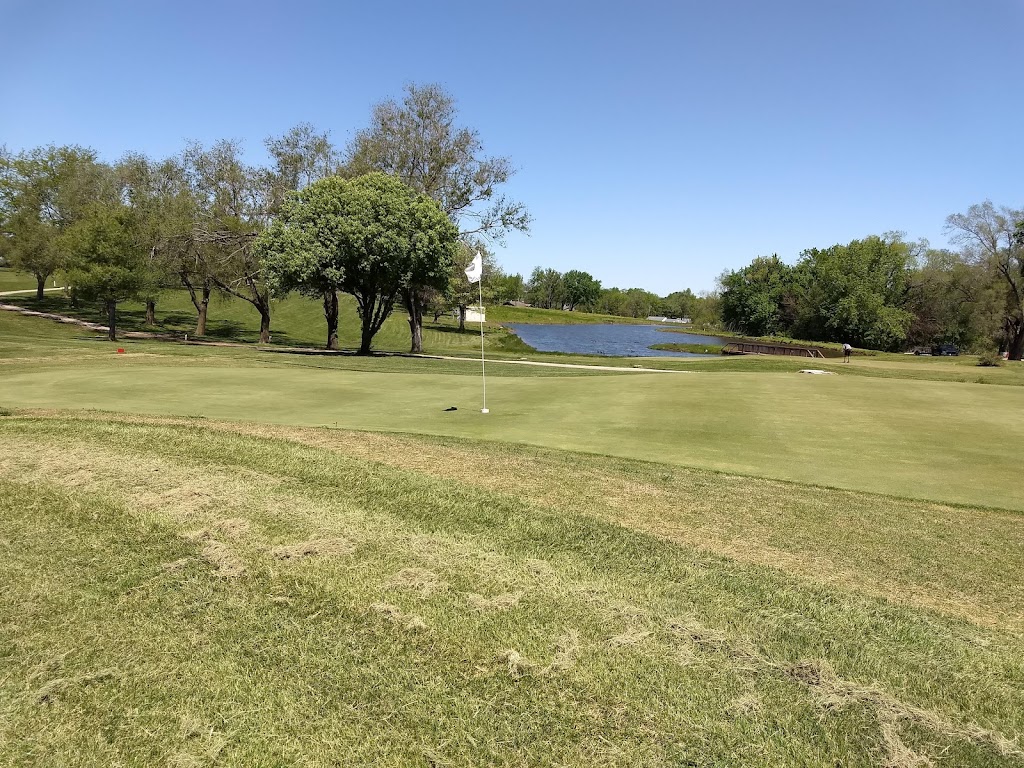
945	349
453	408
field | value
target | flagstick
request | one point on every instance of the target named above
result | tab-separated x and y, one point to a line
483	366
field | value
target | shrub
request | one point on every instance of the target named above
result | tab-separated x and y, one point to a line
990	359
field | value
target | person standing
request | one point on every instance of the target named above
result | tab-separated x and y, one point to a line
847	351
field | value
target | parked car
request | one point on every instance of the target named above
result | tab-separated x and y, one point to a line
945	349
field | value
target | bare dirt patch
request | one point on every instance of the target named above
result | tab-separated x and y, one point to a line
314	547
629	637
395	615
220	556
420	580
54	688
177	566
517	665
566	650
496	603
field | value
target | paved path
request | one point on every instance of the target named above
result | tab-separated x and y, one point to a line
27	290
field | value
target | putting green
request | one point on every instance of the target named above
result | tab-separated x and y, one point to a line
935	440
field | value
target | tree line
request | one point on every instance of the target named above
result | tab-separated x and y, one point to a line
576	290
390	219
883	292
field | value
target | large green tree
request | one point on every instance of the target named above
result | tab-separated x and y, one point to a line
43	191
369	236
855	293
755	299
580	289
545	289
419	141
108	257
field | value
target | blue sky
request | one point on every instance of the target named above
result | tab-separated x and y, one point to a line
657	143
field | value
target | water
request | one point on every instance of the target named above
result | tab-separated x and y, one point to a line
608	340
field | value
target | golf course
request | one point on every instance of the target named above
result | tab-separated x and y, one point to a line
238	554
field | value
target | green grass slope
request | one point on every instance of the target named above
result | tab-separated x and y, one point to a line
296	321
193	593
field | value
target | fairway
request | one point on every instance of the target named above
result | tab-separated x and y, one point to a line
918	439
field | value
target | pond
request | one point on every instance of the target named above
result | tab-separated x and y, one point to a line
608	340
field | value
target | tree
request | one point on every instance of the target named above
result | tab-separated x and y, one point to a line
370	236
680	304
545	288
952	302
612	301
232	208
509	288
707	310
994	238
419	142
107	257
639	303
302	157
164	210
579	288
754	298
855	293
43	191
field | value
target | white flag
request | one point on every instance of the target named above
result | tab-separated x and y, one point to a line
476	269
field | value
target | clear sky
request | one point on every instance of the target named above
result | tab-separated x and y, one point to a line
657	143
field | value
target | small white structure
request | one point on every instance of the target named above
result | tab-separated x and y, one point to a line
662	319
476	314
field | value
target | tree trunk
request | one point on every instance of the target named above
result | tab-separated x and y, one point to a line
462	318
366	337
331	315
112	320
150	313
202	310
1015	348
264	324
415	308
40	285
202	305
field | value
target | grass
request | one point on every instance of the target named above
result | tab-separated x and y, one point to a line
246	595
15	281
880	433
701	349
296	321
304	559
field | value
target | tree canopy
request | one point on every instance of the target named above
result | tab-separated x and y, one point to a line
369	236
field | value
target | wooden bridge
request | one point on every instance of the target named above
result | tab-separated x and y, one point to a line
759	348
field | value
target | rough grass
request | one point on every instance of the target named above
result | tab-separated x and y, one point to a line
477	607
